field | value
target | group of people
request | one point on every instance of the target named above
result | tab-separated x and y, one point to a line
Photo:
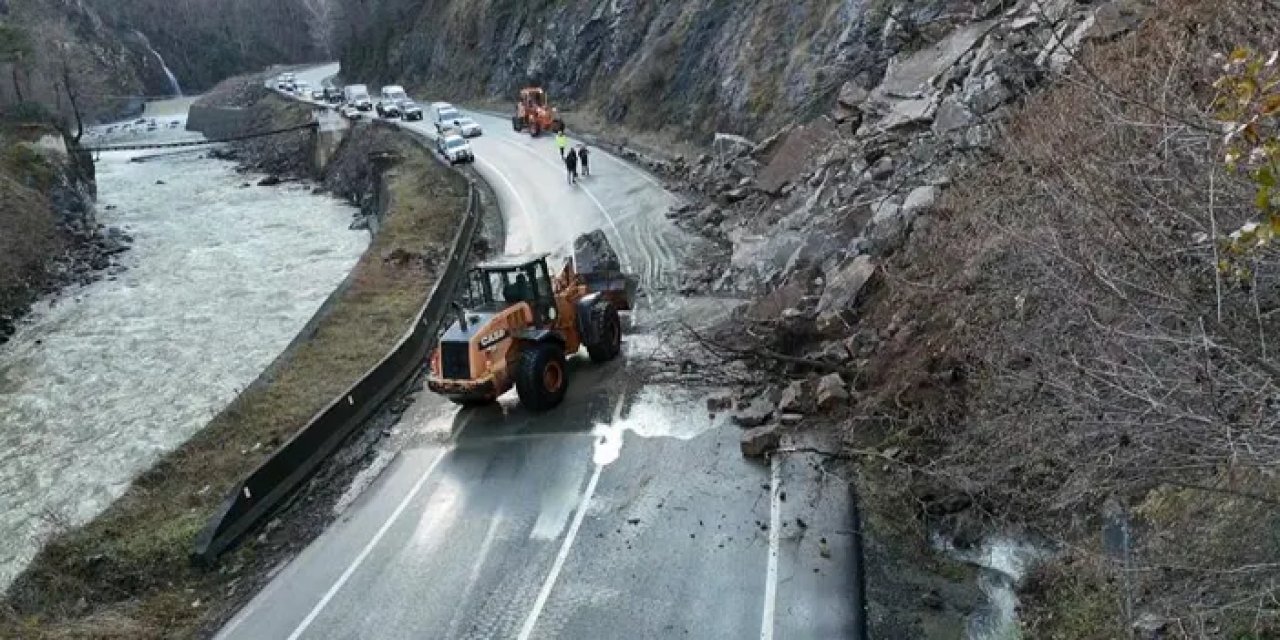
573	157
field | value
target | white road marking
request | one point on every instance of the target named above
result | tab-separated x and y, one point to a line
771	570
377	537
476	567
532	620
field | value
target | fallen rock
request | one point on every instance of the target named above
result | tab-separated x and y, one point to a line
882	169
910	76
795	151
719	403
907	112
844	285
760	440
952	115
1116	18
920	199
728	145
269	181
831	392
852	95
794	398
754	414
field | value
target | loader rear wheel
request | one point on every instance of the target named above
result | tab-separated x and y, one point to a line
607	326
542	378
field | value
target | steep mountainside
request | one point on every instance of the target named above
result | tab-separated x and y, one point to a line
204	41
695	65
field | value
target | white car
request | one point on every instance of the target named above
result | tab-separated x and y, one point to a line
467	127
455	149
443	114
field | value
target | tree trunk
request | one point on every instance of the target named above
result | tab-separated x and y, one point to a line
17	84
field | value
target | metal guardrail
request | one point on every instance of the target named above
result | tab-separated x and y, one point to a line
293	463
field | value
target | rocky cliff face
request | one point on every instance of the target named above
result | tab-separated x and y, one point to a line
205	41
693	65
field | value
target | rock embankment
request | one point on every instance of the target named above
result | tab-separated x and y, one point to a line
49	236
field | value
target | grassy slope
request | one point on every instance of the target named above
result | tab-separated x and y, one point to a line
126	574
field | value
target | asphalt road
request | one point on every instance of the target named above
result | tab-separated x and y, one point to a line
627	512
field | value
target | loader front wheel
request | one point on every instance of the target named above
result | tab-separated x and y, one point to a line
542	378
516	123
607	327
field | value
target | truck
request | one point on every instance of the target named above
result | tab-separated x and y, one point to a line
357	95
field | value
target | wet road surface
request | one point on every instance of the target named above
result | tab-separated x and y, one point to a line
627	512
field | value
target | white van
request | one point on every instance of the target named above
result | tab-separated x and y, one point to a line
357	95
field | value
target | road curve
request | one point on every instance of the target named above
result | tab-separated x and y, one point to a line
625	513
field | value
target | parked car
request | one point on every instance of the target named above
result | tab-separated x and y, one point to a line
455	149
332	94
318	95
410	110
349	112
357	95
443	114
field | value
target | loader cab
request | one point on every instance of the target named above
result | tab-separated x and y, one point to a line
534	98
495	285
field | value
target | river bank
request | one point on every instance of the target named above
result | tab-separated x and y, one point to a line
220	279
130	564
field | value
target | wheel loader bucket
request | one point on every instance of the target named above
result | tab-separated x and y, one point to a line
600	269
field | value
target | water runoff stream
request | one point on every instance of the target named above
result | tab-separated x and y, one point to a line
101	381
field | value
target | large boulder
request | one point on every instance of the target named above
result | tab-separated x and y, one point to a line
844	285
795	154
795	398
760	440
831	392
754	413
911	76
952	115
920	199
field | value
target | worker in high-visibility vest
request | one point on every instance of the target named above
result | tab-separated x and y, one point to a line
562	142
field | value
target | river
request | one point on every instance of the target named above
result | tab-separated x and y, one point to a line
101	381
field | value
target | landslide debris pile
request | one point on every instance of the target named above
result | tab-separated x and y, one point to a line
1008	248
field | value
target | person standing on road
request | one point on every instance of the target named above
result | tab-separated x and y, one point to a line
562	142
584	158
571	164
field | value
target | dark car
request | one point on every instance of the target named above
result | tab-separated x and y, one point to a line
388	109
410	110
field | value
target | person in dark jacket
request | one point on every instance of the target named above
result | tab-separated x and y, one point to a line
584	158
571	164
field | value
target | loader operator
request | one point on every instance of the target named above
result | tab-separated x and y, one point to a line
518	291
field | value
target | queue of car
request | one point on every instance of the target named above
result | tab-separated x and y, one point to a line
353	102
